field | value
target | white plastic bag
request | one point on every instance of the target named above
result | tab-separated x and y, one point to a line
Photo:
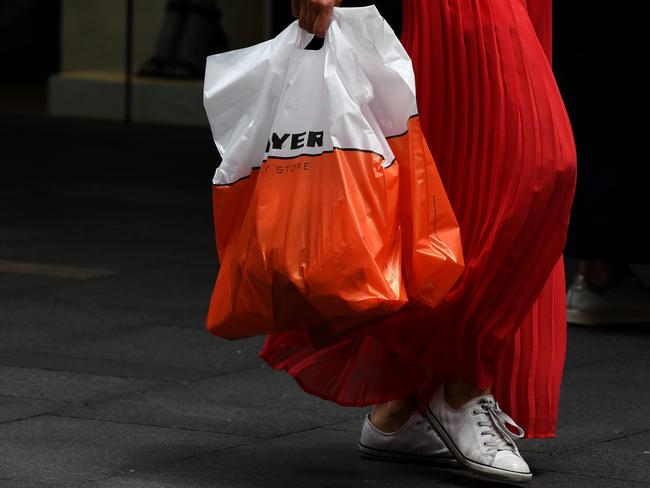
314	221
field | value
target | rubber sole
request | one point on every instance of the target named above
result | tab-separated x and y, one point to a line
383	455
480	469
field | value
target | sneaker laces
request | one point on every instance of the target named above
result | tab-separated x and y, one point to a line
502	438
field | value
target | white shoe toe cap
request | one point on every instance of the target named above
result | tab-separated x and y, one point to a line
510	461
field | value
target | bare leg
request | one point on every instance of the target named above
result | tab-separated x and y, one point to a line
459	393
390	416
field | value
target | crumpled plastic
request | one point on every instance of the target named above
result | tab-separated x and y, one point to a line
328	207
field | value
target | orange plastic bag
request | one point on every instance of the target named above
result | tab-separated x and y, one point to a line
328	208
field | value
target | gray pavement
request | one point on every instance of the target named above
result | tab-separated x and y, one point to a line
109	379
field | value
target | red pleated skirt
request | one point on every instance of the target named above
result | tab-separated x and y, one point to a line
497	127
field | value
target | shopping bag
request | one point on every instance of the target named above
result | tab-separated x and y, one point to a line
314	202
433	257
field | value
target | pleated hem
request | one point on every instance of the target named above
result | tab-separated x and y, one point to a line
498	131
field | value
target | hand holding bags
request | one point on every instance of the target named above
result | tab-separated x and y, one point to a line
328	206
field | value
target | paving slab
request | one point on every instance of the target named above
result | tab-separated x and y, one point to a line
175	295
101	232
167	346
14	284
105	367
619	400
80	249
255	403
69	451
159	287
6	483
352	425
625	459
35	320
318	458
14	408
547	479
265	387
590	346
542	479
62	386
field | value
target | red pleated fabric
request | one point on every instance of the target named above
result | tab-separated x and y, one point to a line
494	119
529	377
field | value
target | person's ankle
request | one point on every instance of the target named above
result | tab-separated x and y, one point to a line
391	416
458	393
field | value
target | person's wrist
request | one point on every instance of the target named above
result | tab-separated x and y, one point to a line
314	16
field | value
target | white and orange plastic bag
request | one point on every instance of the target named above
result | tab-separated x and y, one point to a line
328	206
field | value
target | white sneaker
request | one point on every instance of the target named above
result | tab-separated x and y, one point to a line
628	302
477	436
414	441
